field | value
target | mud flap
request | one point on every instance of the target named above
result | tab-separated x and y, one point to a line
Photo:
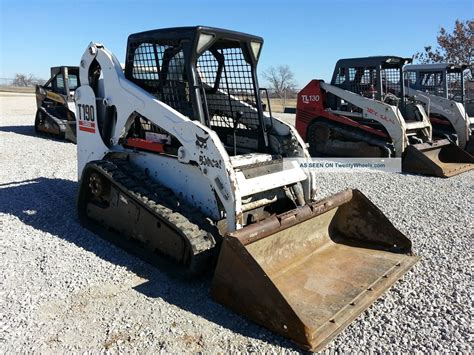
308	273
441	158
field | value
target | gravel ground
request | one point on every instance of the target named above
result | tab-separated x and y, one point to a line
65	289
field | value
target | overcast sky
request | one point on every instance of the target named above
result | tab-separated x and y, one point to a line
309	36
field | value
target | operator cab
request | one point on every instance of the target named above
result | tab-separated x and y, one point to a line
64	80
207	74
380	78
440	79
374	77
57	94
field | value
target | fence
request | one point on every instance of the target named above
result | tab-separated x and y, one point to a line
13	85
6	82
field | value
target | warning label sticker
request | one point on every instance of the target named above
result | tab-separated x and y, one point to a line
87	126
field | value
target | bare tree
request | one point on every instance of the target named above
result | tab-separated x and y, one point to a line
20	80
282	81
24	80
456	47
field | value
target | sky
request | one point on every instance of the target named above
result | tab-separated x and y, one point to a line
307	35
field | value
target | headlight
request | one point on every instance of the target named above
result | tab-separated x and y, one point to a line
256	46
204	41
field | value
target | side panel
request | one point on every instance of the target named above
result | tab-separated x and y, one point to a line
185	178
89	142
311	103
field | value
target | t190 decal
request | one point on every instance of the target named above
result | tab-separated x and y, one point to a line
86	118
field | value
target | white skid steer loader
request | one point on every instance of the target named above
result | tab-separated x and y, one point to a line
177	160
440	87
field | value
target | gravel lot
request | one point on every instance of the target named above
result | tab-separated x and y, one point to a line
65	289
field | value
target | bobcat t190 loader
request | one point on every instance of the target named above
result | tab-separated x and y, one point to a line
440	87
364	112
56	111
176	159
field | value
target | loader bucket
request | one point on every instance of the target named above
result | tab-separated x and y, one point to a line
441	158
306	274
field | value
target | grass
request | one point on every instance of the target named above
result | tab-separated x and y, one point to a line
278	105
8	88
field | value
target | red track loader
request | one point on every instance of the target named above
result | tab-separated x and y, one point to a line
364	112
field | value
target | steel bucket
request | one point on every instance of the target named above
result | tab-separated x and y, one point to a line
441	158
306	274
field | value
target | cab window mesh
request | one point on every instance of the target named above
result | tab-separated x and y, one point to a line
391	83
455	89
340	78
432	83
160	69
410	78
362	81
229	86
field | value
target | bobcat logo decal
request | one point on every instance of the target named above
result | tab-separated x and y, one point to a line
201	142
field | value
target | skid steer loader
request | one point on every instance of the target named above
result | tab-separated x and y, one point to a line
177	160
364	112
440	87
56	111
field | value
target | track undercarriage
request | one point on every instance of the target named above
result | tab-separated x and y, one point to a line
118	198
326	139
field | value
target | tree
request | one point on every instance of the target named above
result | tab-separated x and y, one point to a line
456	47
282	81
24	80
21	80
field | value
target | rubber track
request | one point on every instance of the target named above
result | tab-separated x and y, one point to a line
198	230
357	135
